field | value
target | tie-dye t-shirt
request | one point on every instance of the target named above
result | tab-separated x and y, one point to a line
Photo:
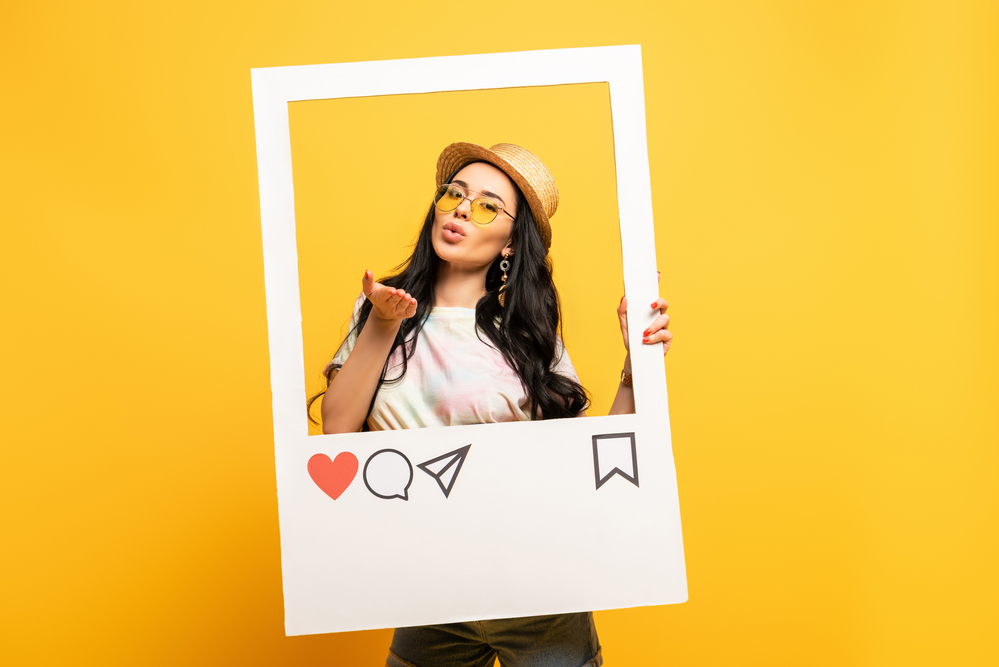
453	378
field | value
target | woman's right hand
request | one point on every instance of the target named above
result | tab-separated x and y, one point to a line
346	402
387	303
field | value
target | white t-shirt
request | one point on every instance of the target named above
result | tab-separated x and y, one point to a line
453	377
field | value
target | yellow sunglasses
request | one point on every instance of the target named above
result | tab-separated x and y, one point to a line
484	209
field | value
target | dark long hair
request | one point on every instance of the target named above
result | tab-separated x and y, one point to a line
528	328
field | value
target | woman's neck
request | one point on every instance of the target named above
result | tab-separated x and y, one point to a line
457	287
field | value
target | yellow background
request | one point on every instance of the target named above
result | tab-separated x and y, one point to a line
827	216
364	176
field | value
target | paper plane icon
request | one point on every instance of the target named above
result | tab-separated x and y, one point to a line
445	468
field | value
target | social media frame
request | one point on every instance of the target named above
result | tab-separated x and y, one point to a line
339	573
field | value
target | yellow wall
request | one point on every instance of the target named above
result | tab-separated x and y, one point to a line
364	176
827	216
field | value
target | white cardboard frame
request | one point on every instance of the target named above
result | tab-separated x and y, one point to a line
533	530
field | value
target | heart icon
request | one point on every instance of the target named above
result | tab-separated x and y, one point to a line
333	477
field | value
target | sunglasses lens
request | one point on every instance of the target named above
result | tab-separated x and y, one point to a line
447	198
484	210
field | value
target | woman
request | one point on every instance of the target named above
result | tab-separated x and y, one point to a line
468	333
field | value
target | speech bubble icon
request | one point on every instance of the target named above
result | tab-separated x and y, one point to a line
388	474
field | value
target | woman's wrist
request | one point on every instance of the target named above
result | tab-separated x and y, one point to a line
384	324
626	372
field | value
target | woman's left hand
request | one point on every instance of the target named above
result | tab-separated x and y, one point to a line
658	331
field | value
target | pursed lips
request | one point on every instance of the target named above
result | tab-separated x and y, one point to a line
455	228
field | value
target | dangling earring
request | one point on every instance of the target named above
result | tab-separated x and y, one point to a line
504	267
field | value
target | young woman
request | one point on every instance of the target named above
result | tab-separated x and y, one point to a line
468	333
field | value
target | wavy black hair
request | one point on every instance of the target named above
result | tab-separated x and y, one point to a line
528	328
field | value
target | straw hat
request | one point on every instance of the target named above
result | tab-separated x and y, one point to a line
522	166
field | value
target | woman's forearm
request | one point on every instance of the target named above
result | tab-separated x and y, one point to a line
624	400
345	403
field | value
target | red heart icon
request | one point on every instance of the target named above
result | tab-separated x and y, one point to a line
333	477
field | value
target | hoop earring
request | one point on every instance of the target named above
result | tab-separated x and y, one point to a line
504	267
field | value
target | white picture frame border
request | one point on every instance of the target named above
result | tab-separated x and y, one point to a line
273	89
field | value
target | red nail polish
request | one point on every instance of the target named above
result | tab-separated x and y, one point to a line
646	332
655	304
645	340
622	301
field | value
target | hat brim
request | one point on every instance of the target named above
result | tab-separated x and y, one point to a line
457	155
